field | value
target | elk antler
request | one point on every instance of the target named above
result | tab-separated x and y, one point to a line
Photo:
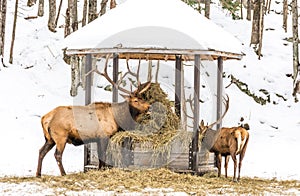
145	87
226	110
141	87
104	74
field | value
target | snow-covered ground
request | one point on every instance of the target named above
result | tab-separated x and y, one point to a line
28	93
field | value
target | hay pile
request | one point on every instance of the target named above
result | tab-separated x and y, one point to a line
155	131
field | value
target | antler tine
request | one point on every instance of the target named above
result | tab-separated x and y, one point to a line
128	68
145	88
138	73
226	110
105	74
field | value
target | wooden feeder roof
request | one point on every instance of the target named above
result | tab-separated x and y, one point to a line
154	29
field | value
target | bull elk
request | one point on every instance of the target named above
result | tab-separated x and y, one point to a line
92	123
225	142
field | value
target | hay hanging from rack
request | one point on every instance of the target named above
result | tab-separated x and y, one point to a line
155	132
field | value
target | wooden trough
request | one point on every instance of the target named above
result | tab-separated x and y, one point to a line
139	158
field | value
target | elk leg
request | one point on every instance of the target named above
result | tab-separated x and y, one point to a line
42	153
218	163
226	164
58	156
234	166
240	166
101	150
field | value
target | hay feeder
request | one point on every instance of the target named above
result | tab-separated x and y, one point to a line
149	30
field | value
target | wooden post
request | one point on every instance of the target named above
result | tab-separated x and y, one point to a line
178	85
195	148
219	90
115	77
127	154
88	99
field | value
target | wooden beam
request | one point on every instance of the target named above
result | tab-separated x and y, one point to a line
159	53
195	148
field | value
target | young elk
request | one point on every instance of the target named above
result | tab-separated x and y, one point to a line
92	123
225	142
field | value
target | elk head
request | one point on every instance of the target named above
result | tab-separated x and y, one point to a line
138	103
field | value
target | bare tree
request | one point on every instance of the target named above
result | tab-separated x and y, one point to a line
113	4
58	13
268	6
67	23
52	15
31	2
2	28
242	15
84	12
257	25
13	33
285	15
41	8
72	6
249	5
92	10
207	8
261	27
295	39
103	7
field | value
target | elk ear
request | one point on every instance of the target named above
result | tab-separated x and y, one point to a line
201	124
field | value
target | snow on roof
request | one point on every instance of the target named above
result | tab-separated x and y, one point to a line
150	24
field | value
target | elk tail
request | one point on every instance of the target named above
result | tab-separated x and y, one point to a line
45	124
239	143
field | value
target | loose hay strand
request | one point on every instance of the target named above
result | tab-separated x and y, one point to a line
163	180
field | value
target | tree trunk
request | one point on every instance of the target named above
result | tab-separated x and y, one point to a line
295	39
285	15
75	17
2	29
41	8
67	32
268	7
242	15
258	26
72	6
92	10
261	27
58	13
84	13
103	7
249	5
67	23
52	15
207	8
13	33
113	4
255	23
31	2
75	75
